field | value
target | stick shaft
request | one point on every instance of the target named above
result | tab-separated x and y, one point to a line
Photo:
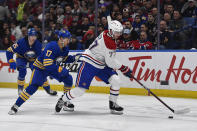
172	110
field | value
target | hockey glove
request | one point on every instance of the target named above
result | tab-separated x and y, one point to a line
77	56
63	72
126	71
12	64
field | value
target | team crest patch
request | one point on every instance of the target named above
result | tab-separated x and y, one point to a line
84	84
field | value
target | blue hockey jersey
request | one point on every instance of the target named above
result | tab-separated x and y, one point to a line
22	47
47	60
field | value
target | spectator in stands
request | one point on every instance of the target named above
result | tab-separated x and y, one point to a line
137	23
126	15
104	22
144	28
167	18
134	34
178	34
165	36
76	44
24	31
124	42
21	8
143	43
151	26
88	38
100	28
60	16
170	9
188	9
16	31
6	42
4	13
103	12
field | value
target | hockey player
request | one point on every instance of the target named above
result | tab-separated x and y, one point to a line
45	65
26	50
99	60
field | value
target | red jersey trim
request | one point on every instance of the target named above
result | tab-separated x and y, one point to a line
109	42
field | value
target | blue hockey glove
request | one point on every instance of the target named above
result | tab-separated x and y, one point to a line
126	71
12	64
63	72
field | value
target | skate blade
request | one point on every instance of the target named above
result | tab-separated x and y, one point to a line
68	109
116	112
11	112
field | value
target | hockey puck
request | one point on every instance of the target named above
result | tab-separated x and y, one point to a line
170	117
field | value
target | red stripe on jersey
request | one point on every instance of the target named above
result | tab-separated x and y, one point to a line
79	74
93	59
109	42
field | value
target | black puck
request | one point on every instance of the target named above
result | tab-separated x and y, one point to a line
170	117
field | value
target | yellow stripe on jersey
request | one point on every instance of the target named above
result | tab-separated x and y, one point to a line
38	64
32	75
10	49
21	83
46	83
47	62
11	60
22	97
27	94
66	89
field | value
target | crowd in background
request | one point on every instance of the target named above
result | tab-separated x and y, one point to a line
178	28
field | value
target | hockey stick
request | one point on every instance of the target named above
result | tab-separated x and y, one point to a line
182	111
71	65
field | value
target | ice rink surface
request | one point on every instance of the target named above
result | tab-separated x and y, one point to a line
142	113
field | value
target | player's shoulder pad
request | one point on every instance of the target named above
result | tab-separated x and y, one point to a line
109	42
21	41
51	45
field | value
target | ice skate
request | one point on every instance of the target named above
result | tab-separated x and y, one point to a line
115	108
59	105
68	106
13	110
51	92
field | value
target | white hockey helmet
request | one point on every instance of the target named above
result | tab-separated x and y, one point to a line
116	27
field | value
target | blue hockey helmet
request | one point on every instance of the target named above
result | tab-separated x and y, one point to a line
64	34
32	32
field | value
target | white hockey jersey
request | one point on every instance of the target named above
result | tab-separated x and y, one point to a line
102	52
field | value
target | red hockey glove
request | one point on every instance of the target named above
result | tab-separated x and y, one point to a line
126	71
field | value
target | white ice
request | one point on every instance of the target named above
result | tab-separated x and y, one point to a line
142	113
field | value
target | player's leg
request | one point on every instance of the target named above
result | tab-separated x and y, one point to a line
85	75
48	89
37	79
109	76
22	71
68	82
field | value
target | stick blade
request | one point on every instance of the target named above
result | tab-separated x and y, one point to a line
182	111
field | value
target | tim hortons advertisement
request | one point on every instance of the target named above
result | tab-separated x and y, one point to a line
157	70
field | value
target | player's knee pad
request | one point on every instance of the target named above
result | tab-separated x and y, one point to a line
114	80
68	81
22	72
77	92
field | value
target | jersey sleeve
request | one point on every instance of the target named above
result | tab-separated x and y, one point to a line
49	61
110	59
110	52
12	50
